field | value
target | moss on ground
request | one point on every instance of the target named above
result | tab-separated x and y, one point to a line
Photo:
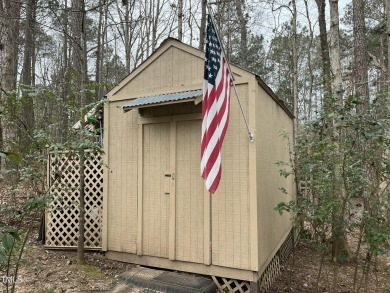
90	270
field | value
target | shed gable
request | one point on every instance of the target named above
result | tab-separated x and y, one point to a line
174	69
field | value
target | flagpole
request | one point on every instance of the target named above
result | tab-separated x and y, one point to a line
250	134
211	228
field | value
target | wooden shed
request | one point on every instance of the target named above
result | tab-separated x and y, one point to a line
157	211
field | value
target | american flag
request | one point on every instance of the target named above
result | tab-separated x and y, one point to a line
215	108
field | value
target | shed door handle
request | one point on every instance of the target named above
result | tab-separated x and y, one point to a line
172	175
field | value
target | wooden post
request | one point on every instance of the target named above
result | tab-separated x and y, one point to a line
80	243
106	174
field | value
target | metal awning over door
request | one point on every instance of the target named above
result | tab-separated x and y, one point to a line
164	99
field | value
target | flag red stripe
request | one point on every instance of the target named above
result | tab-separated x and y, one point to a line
212	126
211	160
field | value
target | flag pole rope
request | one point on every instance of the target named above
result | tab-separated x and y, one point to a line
250	134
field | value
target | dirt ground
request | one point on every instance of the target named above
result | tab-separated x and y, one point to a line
47	271
56	271
301	274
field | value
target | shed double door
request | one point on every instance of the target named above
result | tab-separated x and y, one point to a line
172	191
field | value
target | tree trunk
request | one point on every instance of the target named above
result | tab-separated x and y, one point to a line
360	55
335	47
202	26
309	65
339	243
156	17
180	20
78	46
190	23
98	75
324	50
388	54
104	46
126	31
10	43
295	68
388	43
28	104
243	55
9	25
148	28
79	64
2	24
64	119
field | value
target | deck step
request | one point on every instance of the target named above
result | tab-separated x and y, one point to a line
148	280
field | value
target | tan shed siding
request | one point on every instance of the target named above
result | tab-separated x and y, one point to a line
155	199
230	204
122	176
189	193
271	147
166	73
186	68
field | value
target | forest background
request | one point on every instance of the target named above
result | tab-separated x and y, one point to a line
329	65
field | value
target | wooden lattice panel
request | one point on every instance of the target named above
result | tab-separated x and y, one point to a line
231	285
270	274
286	248
274	267
62	215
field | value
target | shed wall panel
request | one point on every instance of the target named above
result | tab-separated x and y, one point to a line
156	158
189	192
271	147
122	176
230	204
165	73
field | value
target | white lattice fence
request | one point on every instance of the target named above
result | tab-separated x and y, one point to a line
62	215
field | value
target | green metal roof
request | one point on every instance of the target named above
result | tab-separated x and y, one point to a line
162	99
